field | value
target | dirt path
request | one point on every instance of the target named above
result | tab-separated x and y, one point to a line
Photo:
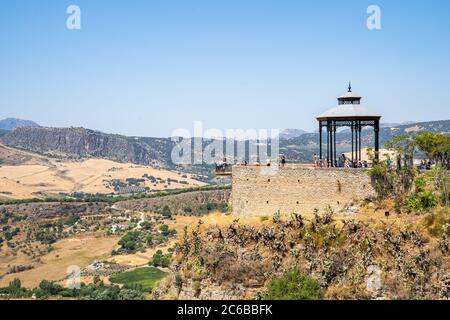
138	227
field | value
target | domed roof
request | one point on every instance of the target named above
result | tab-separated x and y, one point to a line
349	107
348	111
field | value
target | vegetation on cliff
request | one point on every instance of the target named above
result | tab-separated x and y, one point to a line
350	259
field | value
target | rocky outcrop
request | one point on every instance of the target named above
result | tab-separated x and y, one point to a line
351	260
81	142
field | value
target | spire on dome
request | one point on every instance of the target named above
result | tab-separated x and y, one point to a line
349	97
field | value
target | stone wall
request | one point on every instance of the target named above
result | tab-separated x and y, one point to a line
262	191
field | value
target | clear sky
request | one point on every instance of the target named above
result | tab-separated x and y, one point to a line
149	67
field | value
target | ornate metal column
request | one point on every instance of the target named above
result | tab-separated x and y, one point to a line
320	140
359	147
334	143
377	140
352	129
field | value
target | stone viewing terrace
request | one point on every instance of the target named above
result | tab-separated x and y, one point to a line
227	170
265	190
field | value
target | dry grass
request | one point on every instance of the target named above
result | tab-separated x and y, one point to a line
42	176
79	251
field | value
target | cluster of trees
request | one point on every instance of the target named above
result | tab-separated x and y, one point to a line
435	147
161	260
136	240
10	234
411	189
95	291
130	242
46	236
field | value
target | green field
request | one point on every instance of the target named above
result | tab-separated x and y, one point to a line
147	277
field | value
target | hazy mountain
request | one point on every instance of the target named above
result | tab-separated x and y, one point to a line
387	125
292	133
80	142
12	123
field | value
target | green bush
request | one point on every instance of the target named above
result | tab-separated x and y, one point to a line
166	212
129	241
422	201
294	286
160	260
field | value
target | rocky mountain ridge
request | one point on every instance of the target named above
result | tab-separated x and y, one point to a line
81	142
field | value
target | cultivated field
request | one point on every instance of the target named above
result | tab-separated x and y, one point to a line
26	175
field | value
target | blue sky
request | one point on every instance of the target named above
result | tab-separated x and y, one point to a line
149	67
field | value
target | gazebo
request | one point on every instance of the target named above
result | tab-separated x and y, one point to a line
348	113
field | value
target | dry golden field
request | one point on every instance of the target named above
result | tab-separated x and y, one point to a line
27	175
78	250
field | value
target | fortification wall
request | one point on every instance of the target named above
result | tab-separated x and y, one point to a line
258	191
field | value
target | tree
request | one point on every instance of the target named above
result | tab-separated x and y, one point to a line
294	286
166	212
129	241
435	146
403	145
160	260
50	288
15	289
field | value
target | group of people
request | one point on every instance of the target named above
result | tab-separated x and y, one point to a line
342	162
222	166
425	165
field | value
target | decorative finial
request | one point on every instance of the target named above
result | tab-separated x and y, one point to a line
349	86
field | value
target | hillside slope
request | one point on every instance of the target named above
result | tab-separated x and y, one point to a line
80	143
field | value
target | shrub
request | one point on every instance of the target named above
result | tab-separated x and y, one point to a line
166	212
294	286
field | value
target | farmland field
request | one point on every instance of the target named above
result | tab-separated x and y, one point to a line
147	277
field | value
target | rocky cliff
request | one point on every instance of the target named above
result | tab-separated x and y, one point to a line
80	142
350	259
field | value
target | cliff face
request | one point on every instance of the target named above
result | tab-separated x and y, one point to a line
351	260
80	142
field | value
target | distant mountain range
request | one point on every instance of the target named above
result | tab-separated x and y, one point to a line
12	123
292	133
298	145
